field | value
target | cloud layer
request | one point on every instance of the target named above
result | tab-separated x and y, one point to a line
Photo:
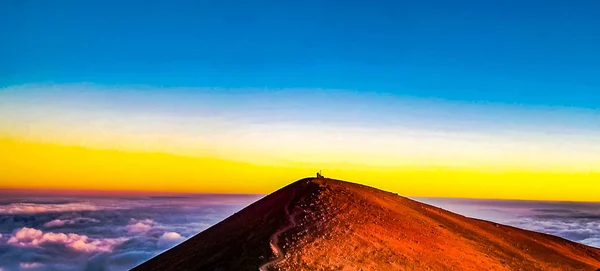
575	221
28	237
101	233
33	208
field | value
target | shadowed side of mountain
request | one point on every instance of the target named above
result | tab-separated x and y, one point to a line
326	224
240	242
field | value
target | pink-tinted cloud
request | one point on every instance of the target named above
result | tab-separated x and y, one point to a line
32	208
97	245
169	239
28	237
139	226
30	265
55	223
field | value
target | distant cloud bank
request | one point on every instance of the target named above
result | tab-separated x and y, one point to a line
575	221
32	208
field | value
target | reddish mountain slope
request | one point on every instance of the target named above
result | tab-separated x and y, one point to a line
325	224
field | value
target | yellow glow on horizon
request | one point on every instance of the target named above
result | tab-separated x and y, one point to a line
35	165
199	140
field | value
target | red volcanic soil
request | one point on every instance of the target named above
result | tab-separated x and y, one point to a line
325	224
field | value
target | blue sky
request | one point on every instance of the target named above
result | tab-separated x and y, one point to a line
532	52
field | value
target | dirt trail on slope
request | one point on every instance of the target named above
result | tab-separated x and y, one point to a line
274	240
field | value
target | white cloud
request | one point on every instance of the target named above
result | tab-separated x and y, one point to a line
28	237
593	241
32	208
30	265
138	226
169	239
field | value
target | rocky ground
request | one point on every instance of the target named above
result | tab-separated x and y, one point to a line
345	226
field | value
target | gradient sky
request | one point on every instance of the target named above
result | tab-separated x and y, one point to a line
485	99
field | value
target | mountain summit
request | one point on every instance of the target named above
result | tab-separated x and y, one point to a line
326	224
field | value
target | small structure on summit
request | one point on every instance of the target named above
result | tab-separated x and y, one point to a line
319	175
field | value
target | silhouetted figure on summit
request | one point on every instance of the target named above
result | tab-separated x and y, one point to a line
319	176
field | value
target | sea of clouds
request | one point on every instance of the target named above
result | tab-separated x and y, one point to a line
95	233
575	221
102	233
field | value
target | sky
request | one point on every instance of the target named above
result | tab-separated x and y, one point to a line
470	99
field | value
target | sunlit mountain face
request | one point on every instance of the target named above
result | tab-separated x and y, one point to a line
321	223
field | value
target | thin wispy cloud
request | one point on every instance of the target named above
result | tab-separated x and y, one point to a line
33	208
73	221
31	265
